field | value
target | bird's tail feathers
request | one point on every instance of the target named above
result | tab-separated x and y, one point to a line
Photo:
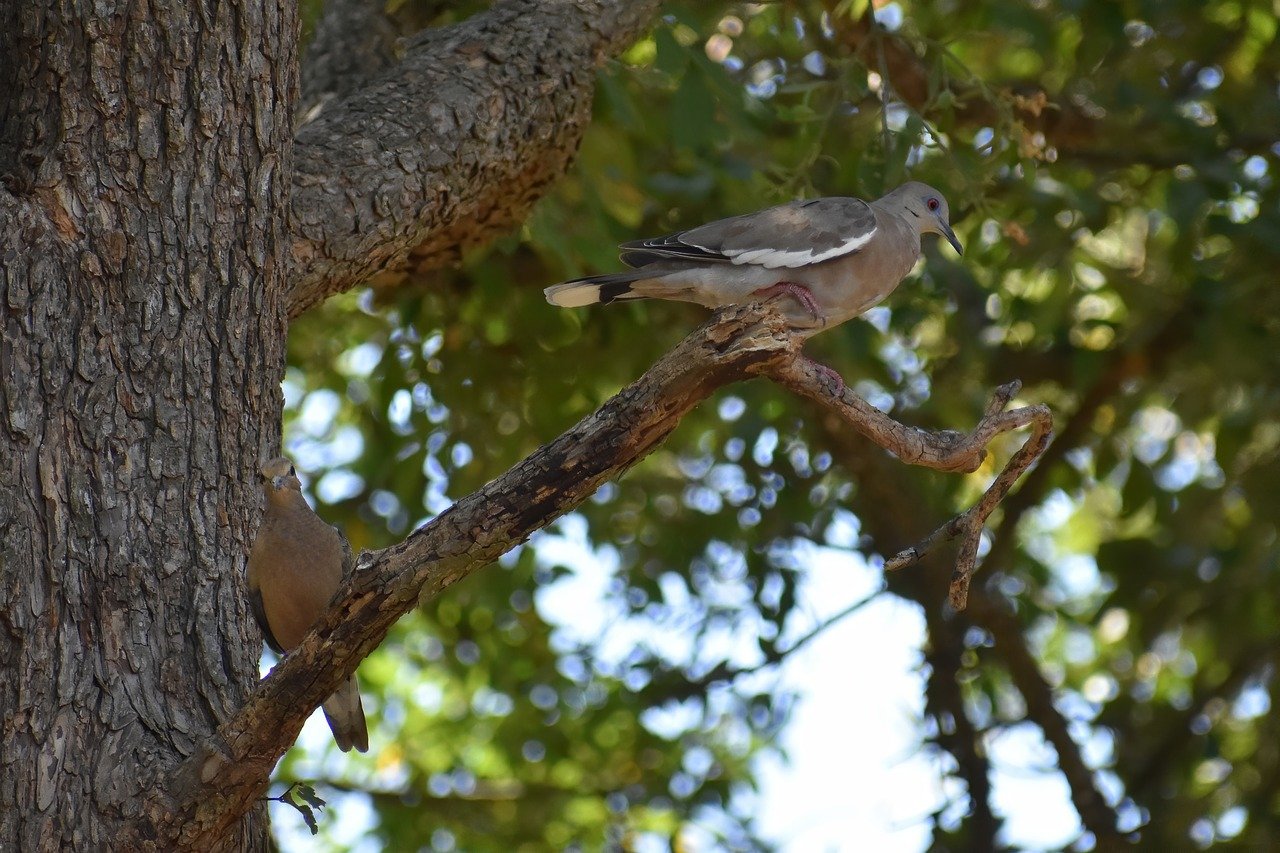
595	288
345	716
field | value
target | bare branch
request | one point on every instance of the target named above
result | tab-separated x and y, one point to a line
968	525
451	146
945	450
886	504
232	769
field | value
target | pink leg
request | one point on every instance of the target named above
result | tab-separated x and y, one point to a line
836	379
799	292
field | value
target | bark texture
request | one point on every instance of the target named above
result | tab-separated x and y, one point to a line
145	155
451	146
147	262
220	782
354	40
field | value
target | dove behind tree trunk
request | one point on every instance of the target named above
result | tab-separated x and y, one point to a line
296	565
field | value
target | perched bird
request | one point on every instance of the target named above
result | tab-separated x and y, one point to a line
835	257
296	564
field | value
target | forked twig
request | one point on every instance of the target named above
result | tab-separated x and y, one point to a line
943	450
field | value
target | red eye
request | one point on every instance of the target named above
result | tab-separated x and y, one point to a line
932	204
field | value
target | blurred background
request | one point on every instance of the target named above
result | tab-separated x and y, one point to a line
706	655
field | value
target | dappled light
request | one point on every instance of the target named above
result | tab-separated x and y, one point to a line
620	676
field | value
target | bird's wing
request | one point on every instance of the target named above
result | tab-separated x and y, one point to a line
789	235
260	615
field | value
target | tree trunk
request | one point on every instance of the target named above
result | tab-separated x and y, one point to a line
145	152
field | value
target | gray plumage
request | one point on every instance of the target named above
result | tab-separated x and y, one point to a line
836	257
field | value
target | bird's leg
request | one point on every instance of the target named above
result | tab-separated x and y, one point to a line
836	378
798	292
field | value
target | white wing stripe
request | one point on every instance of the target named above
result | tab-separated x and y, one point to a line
774	258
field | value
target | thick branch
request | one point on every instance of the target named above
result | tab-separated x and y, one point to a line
451	146
354	40
218	784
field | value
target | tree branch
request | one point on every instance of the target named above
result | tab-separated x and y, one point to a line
945	450
216	785
354	40
1095	813
451	146
232	769
887	505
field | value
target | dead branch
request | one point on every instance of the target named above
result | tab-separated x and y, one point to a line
232	768
944	450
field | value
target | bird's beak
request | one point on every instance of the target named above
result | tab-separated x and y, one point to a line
951	237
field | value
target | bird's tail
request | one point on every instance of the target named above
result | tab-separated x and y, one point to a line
596	288
345	715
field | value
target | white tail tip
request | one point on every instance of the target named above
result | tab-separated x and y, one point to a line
573	294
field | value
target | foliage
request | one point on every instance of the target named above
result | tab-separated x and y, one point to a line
1112	166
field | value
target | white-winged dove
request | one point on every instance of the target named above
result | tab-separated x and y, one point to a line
296	564
836	257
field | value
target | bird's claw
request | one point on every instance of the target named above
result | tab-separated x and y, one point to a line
837	381
798	292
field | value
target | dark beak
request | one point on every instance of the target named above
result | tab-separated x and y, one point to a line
951	237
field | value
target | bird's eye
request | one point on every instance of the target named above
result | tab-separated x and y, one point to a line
933	204
292	473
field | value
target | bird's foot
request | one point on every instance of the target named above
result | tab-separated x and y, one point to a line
837	381
798	292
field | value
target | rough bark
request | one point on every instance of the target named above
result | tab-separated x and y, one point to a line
354	40
145	151
452	145
233	769
146	158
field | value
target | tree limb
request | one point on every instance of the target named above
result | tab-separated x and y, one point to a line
1090	803
354	40
944	450
452	145
232	768
887	505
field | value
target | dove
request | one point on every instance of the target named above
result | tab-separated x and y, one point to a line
834	257
296	564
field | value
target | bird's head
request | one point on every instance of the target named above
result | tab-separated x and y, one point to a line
927	208
279	478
